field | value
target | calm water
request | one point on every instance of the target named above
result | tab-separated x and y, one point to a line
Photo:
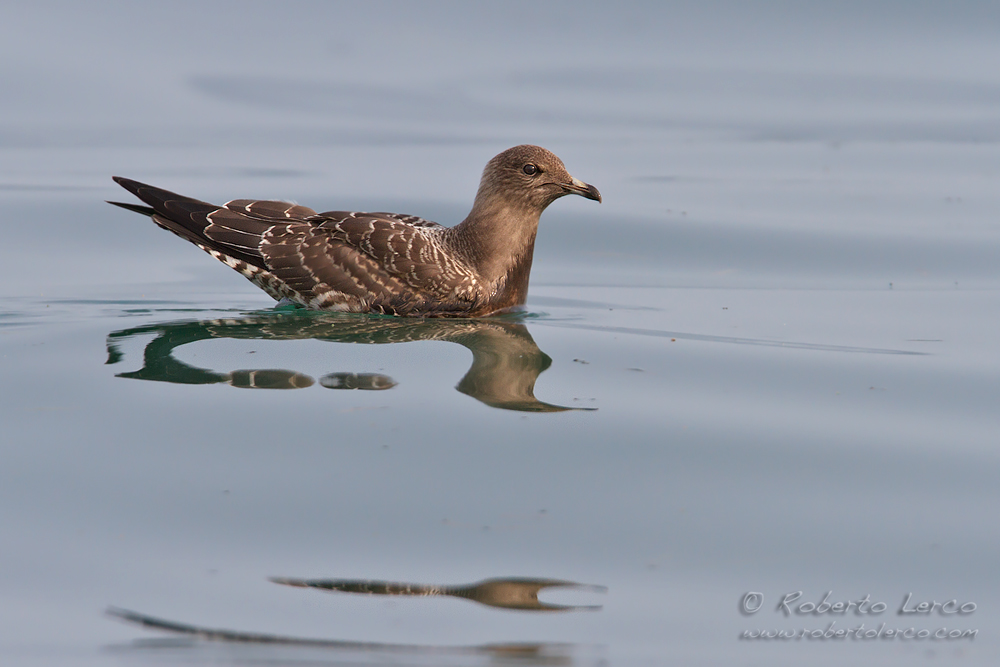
766	364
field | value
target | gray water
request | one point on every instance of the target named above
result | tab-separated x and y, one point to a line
766	364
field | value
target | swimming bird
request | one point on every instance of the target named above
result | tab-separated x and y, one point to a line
381	262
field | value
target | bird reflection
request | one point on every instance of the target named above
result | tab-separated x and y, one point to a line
514	593
348	652
505	360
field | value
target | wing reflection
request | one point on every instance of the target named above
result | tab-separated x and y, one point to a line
352	652
514	593
505	360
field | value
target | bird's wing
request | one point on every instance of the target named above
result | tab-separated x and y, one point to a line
341	216
357	261
384	262
408	248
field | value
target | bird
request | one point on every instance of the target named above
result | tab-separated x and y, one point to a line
381	263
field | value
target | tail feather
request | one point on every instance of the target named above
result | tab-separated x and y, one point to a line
175	207
145	210
176	213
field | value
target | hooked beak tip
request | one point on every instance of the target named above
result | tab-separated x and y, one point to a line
584	190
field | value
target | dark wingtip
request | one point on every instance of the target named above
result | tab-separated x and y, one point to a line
128	184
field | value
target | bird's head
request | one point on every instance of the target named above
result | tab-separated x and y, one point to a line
532	177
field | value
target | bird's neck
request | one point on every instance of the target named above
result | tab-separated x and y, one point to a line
499	241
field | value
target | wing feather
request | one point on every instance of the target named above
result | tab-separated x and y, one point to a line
388	262
269	209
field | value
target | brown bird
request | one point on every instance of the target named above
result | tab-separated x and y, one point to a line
381	262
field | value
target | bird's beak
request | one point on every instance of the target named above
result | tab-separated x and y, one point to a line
578	187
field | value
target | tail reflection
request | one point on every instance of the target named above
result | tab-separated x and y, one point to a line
514	593
505	360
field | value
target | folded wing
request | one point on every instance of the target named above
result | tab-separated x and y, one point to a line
334	260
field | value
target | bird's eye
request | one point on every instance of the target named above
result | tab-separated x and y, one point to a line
530	169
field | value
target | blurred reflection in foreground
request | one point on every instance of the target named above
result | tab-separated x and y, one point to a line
274	649
505	360
512	593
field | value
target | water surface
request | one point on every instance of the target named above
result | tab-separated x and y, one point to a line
767	363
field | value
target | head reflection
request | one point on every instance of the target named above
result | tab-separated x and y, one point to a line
505	360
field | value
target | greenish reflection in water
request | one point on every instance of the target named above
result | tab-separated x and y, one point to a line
506	362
